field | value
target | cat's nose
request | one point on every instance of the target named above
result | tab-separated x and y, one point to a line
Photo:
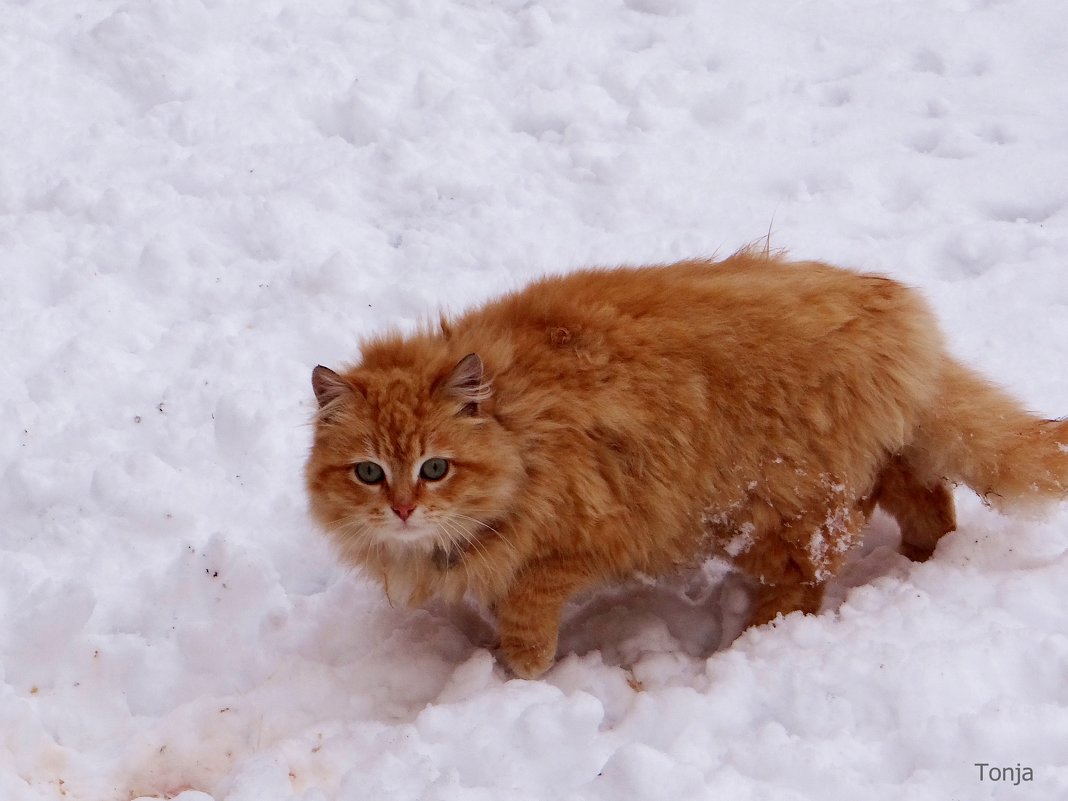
403	510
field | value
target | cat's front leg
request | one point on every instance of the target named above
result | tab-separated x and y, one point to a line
529	614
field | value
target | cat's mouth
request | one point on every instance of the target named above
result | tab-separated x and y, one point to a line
442	555
444	552
408	536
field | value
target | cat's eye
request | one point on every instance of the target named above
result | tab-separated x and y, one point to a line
368	472
434	469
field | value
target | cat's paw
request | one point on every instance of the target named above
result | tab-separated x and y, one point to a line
527	660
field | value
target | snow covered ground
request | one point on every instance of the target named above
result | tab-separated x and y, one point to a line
201	200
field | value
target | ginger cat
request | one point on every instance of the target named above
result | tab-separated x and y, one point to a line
607	422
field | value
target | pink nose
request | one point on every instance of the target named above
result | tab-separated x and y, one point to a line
403	510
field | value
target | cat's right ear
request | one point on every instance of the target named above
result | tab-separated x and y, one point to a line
328	386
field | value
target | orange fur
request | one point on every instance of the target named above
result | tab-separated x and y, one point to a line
641	419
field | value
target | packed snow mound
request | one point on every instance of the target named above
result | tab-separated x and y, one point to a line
199	201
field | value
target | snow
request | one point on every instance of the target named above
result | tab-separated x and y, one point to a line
199	201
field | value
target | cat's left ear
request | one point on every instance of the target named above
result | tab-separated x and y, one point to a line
467	383
328	386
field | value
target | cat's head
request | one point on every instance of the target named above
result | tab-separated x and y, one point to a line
408	458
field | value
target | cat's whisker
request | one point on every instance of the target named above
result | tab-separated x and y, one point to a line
342	522
351	534
469	538
481	523
349	530
344	519
500	537
455	531
443	526
467	571
475	520
496	515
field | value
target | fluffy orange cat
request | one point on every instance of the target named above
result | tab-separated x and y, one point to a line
615	421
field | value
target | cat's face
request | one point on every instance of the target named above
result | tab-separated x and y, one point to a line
409	461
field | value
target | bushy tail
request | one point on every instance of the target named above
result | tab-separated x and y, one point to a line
977	435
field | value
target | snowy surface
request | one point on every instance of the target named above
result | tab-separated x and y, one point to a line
199	201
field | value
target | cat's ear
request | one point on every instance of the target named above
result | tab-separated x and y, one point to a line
328	386
467	383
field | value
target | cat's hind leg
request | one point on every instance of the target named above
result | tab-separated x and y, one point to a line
793	567
790	592
924	510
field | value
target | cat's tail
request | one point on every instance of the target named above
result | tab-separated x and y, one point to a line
975	434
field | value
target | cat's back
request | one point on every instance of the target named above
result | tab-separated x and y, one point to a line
749	299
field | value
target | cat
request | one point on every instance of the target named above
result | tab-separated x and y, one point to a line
609	422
